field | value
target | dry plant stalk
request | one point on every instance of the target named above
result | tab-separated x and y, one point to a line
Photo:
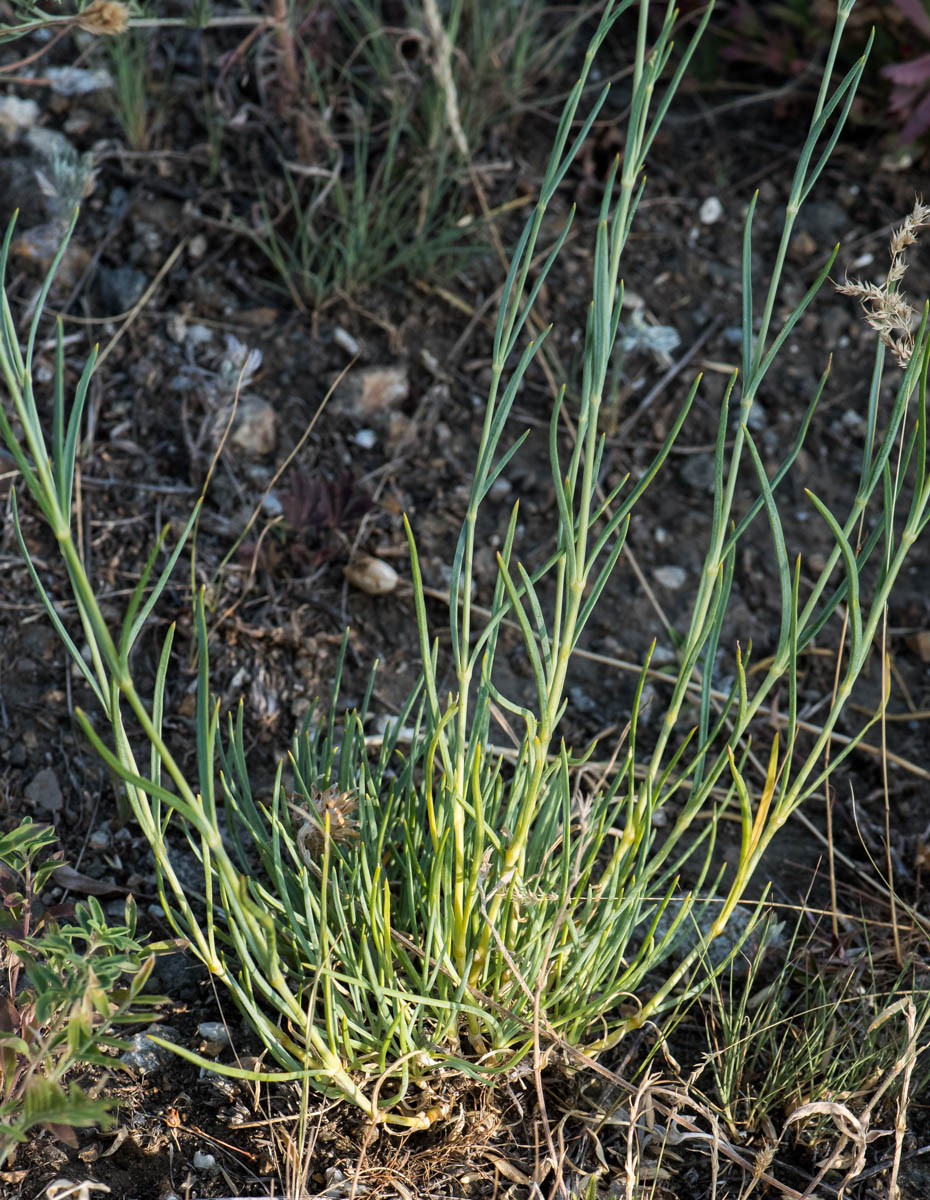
442	68
888	310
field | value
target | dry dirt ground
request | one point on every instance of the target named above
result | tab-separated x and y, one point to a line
280	601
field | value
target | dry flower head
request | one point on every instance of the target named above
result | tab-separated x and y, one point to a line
331	814
105	17
888	310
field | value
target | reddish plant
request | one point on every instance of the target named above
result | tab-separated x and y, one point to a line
910	94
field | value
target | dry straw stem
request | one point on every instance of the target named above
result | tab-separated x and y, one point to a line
888	310
442	66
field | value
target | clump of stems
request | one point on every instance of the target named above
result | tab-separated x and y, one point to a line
435	906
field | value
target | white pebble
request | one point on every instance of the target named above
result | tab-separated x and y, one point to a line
345	340
711	211
671	577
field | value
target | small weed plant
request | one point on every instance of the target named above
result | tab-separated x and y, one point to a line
69	978
437	908
393	114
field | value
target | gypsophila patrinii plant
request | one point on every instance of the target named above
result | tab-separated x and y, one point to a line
69	978
431	905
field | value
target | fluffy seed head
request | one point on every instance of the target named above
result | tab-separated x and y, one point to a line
886	309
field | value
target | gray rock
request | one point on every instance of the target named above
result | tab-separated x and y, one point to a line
144	1055
581	701
671	577
119	288
45	793
696	926
697	471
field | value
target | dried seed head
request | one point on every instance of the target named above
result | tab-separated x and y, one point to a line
105	17
332	809
887	310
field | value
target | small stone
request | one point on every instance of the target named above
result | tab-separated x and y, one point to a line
119	288
371	575
176	328
672	578
921	643
345	341
383	387
255	430
77	81
802	246
711	211
431	362
369	391
366	438
215	1038
214	1031
45	793
581	701
99	840
698	471
16	114
271	504
197	335
144	1055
